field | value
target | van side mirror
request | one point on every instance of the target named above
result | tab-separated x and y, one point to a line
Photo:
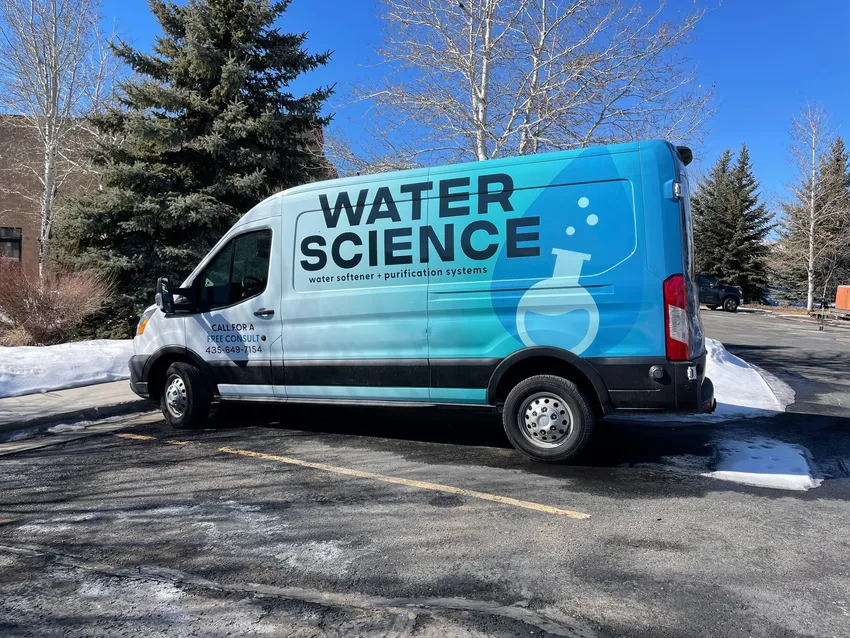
164	296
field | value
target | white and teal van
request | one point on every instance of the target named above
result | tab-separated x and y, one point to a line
555	288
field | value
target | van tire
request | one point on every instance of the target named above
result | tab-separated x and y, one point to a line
524	426
711	307
730	304
186	397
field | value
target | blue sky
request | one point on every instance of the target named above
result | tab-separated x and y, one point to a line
767	59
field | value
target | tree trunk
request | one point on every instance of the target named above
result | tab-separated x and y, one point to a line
481	124
810	269
47	196
810	262
534	83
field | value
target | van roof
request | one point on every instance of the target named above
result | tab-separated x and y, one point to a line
471	166
359	180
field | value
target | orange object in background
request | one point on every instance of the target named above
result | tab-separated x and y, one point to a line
842	298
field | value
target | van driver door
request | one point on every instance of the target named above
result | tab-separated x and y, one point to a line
238	329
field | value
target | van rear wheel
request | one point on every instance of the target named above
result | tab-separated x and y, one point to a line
186	397
548	418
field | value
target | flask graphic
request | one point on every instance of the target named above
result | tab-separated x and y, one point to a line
559	296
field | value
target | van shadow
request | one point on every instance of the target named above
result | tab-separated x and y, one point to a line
471	432
440	436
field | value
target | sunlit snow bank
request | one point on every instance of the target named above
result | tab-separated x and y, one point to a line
765	463
31	369
740	389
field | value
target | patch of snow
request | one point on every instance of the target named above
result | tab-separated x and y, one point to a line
43	528
741	391
66	427
765	462
330	558
32	369
61	428
60	523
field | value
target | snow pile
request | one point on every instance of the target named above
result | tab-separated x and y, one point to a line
31	369
765	463
740	389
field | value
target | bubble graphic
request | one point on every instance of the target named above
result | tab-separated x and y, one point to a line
583	202
592	220
571	230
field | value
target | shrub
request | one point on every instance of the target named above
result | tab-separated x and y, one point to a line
35	311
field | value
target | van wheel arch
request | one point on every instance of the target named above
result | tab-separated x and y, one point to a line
549	360
157	367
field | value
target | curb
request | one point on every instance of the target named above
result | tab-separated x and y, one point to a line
832	323
39	425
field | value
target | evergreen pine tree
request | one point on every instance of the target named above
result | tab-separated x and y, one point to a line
709	207
745	263
208	128
731	225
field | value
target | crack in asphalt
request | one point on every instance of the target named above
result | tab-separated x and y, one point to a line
568	627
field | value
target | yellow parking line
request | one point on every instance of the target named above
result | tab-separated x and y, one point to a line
171	442
436	487
137	437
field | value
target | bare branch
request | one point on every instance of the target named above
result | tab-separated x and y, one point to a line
488	78
55	69
815	227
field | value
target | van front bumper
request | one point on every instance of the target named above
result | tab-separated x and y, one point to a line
650	384
138	384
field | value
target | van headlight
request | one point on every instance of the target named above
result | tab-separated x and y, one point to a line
143	320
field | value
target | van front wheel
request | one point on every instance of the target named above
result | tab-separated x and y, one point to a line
548	418
186	398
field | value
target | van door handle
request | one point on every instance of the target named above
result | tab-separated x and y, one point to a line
263	313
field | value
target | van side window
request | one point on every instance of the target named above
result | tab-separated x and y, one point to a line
238	271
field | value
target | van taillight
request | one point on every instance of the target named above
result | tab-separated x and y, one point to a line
677	333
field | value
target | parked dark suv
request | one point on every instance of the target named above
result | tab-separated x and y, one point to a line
714	293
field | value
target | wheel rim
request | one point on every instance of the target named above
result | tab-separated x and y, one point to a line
731	304
176	397
545	420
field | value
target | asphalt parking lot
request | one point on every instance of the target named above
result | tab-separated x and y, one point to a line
333	521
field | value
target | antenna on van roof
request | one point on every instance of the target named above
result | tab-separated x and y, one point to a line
685	154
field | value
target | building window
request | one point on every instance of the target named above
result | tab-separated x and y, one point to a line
10	243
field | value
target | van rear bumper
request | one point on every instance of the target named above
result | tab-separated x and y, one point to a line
644	384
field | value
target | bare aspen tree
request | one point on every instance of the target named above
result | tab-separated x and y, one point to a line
809	218
55	68
478	79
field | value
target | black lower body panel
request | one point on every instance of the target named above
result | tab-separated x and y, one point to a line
656	384
137	370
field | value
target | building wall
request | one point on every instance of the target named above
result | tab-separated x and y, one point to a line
21	159
20	191
19	152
